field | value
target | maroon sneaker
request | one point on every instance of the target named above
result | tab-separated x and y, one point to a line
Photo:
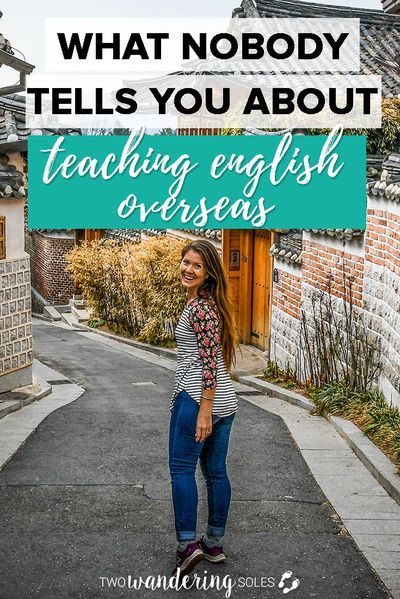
212	554
188	558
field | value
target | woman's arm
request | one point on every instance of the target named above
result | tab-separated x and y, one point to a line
205	322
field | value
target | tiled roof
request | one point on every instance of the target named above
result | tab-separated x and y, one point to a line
14	138
391	6
12	128
374	165
5	44
380	33
392	165
132	235
57	233
389	183
11	180
153	232
294	8
288	246
208	233
285	255
346	234
13	133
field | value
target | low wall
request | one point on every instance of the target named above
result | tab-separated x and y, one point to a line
15	324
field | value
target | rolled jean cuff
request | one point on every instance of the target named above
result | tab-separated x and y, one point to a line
215	531
186	535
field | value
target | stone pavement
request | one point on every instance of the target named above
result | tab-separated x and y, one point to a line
85	501
249	360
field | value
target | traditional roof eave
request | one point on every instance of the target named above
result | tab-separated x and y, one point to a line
285	255
389	183
10	60
345	234
380	33
14	103
13	146
11	181
56	233
294	8
207	233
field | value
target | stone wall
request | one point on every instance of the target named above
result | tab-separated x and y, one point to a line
331	264
382	289
15	324
372	264
48	263
285	316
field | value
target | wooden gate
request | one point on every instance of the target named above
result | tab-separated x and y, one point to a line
260	308
249	266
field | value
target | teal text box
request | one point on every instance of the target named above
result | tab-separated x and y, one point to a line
92	202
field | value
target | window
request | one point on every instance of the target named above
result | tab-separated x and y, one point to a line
2	237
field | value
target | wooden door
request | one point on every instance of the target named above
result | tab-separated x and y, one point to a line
82	235
261	289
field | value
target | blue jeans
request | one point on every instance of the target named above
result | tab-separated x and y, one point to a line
184	453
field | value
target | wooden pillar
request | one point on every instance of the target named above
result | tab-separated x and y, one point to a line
246	283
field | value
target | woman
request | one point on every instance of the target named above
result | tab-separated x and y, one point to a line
203	404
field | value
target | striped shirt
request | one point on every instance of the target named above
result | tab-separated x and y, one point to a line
200	360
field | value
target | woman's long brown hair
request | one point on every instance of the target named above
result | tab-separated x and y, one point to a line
216	285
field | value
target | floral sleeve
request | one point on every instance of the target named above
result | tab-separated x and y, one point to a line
205	322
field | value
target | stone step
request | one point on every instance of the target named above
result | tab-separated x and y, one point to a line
69	319
78	303
80	314
18	398
63	308
51	312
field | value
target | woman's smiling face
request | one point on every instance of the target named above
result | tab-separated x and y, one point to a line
192	269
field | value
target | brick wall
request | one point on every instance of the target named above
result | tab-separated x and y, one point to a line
327	264
287	293
48	265
285	316
373	266
325	267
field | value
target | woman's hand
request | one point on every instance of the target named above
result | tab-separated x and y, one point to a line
203	424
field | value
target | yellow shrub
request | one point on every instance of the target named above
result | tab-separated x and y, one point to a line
134	288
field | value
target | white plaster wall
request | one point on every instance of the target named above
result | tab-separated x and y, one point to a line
383	203
289	267
13	210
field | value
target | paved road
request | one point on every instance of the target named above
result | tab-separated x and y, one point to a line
88	495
